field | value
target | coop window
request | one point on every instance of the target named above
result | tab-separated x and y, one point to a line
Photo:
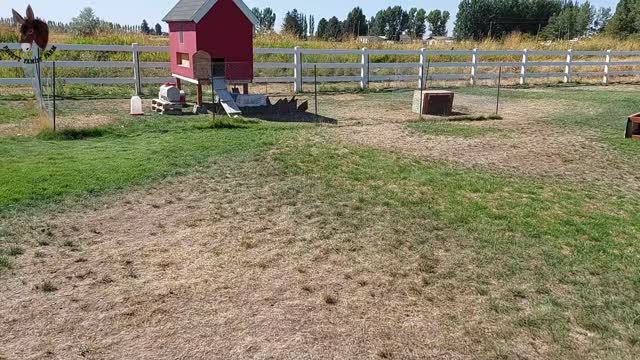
183	60
181	37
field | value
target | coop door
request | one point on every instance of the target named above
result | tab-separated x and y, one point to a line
202	66
218	68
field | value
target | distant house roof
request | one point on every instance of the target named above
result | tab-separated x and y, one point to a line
375	37
196	10
440	38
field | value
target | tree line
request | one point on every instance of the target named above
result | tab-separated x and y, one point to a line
476	19
87	23
548	19
390	23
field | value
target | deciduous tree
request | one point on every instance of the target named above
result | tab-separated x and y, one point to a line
438	22
86	23
417	23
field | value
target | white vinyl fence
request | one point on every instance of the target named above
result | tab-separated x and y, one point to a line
473	67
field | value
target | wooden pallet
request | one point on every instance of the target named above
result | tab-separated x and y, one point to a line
166	108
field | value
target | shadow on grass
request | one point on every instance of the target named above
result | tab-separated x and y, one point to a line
225	124
474	118
73	134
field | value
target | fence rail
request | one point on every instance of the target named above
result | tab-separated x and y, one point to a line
471	69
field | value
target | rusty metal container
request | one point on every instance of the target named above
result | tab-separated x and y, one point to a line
434	102
633	127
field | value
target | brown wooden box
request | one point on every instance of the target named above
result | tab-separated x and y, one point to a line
633	127
434	102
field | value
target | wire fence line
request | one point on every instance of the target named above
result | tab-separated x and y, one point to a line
297	66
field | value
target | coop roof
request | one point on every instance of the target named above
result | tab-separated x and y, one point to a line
195	10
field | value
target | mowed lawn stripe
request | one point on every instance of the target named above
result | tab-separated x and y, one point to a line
37	171
570	252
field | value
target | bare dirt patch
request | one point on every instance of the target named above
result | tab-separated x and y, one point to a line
349	97
33	127
73	114
21	129
85	121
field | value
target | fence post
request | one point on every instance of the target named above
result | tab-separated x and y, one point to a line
423	62
297	70
523	67
137	77
605	78
567	68
54	95
364	69
474	66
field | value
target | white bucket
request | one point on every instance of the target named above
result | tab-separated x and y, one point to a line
136	106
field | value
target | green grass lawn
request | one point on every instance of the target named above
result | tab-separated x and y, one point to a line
51	167
12	112
570	253
548	258
601	109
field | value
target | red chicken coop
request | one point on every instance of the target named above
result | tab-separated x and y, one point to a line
211	39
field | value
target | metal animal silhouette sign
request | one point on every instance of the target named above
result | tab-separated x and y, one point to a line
32	30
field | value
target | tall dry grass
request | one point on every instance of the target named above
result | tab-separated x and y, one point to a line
514	41
273	40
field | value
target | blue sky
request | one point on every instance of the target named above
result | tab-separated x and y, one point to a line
133	11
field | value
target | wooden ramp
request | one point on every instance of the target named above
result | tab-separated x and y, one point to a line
226	100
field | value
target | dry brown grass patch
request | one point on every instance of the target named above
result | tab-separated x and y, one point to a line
526	144
195	285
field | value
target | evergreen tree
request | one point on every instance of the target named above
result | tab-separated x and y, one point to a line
572	21
333	30
144	28
312	25
158	29
355	24
305	26
322	29
268	20
626	20
258	14
293	23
